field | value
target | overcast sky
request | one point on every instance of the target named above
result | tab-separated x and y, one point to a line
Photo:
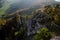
34	1
30	0
57	0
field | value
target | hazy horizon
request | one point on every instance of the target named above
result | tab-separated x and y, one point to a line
8	4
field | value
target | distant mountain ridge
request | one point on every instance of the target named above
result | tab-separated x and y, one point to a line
26	4
23	5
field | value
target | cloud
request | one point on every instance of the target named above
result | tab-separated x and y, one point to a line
57	0
41	1
14	1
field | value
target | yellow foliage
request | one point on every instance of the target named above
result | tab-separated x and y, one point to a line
57	17
2	22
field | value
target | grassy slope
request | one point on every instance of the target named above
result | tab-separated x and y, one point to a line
6	5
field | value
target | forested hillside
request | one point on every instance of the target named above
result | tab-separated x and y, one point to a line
42	24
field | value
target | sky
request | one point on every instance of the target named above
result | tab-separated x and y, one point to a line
57	0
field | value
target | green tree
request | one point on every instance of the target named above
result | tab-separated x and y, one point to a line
43	34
